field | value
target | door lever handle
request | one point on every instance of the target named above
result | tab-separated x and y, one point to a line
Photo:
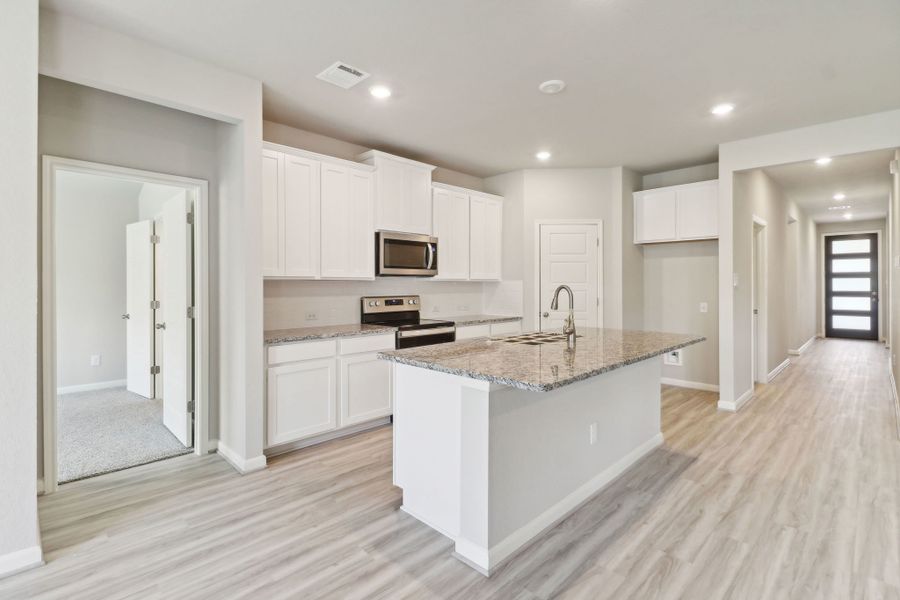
126	316
160	325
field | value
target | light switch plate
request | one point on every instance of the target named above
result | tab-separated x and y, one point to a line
704	307
96	359
673	358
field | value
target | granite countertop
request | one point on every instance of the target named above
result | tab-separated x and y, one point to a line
479	319
542	367
286	336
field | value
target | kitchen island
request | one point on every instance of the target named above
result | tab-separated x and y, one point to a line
498	439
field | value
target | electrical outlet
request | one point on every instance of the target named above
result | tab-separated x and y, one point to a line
673	358
592	433
311	316
95	360
704	307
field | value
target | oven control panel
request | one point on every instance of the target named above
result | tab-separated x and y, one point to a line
386	304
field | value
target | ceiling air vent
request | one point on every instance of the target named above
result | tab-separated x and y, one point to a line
342	75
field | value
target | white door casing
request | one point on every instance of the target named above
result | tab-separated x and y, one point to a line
569	255
138	298
176	257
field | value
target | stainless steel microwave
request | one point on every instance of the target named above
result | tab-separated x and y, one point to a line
408	254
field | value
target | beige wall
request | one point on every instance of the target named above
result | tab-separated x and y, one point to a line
694	174
822	229
314	142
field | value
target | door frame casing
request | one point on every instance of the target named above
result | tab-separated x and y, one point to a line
199	189
820	276
759	339
537	262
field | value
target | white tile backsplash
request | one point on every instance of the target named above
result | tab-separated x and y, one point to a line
298	303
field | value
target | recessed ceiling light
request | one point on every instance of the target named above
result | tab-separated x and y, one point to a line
844	207
823	161
380	91
552	86
848	216
542	155
839	196
720	110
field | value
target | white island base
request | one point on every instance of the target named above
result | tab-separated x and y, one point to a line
492	466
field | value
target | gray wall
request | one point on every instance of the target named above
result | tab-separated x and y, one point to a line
88	124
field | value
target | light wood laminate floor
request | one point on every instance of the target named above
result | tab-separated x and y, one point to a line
796	496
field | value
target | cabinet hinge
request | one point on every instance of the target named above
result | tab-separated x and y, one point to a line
154	239
191	313
155	370
190	407
190	218
154	304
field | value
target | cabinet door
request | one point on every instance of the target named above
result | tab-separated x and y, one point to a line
347	234
391	204
486	232
301	216
366	390
301	399
417	196
450	212
654	216
697	211
272	214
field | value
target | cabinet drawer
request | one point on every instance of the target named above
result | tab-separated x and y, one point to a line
507	328
302	351
472	331
367	343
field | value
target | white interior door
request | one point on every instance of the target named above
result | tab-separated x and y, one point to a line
569	256
176	257
138	313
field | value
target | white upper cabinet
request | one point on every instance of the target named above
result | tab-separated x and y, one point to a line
486	234
402	193
348	240
451	228
272	214
318	215
677	213
301	216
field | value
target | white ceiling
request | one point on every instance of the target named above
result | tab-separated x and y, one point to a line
642	74
865	179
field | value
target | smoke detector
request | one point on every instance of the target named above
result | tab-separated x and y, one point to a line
553	86
343	75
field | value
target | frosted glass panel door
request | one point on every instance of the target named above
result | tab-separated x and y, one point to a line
851	286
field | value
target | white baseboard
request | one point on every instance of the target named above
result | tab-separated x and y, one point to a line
89	387
895	397
735	405
242	465
519	539
802	348
20	560
326	437
40	486
777	370
212	446
694	385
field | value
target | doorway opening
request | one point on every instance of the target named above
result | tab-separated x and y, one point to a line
759	296
124	318
569	253
851	286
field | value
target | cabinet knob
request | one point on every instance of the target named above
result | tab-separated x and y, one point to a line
545	315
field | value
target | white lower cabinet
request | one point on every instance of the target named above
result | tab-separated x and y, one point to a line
468	332
301	400
365	388
506	328
318	386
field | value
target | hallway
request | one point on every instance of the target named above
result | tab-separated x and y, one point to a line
796	496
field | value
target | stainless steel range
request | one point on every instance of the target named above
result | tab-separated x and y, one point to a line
402	312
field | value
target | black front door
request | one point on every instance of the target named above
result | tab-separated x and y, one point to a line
851	286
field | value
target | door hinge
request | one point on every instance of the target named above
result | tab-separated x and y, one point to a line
190	407
598	241
598	300
191	312
154	239
155	369
190	218
154	304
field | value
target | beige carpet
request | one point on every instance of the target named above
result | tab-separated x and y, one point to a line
109	430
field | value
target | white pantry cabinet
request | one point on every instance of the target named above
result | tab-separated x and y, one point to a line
677	213
315	387
485	237
318	215
451	228
402	193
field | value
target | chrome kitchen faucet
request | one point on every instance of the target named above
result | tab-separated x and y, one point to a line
569	325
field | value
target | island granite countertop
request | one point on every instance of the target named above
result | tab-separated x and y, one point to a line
542	362
300	334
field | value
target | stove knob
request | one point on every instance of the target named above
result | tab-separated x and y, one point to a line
409	302
415	301
371	303
378	303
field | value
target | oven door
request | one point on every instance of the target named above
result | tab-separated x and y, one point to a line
412	338
406	254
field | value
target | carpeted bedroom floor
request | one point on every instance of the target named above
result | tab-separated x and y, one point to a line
109	430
